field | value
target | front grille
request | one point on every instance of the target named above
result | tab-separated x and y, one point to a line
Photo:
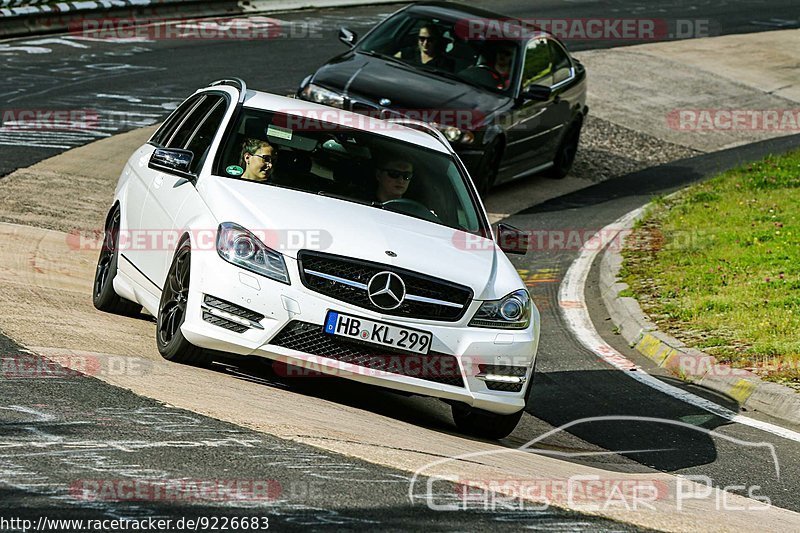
361	272
309	338
211	302
504	370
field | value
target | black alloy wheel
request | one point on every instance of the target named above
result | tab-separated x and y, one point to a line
172	309
103	296
567	151
489	167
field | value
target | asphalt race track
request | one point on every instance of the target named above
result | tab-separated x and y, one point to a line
94	430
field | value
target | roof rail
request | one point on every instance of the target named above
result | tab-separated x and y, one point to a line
423	127
235	82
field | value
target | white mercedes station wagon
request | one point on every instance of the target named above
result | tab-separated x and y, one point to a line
325	240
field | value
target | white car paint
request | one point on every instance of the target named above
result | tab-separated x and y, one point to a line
154	201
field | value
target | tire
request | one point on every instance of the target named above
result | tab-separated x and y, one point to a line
567	150
487	174
172	345
103	296
483	424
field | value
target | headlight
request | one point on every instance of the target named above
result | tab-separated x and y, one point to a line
511	312
454	134
320	95
238	246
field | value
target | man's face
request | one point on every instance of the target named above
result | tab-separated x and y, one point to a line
392	182
427	44
257	167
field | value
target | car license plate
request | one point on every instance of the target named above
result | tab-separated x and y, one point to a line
379	333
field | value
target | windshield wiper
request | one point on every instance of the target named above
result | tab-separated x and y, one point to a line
393	59
348	198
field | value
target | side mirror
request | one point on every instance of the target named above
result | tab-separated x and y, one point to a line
512	240
173	161
347	36
537	92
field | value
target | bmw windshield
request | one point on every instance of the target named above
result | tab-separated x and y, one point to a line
446	48
318	157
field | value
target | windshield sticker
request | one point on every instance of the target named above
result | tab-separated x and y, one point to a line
280	133
234	170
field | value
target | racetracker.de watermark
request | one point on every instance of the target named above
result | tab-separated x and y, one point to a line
220	29
585	29
60	366
704	366
335	119
727	119
176	490
161	240
429	366
44	119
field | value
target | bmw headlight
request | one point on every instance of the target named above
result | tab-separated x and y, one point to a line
511	312
320	95
238	246
453	134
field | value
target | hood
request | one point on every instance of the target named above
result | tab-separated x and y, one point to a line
373	79
289	221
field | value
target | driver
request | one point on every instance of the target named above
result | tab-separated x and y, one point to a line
429	51
394	177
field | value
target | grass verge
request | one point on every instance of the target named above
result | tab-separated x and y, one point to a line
718	267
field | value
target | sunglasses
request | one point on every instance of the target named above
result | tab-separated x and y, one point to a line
268	159
399	174
422	39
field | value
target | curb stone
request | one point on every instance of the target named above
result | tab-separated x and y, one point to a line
688	364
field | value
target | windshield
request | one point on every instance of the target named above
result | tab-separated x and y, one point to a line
447	48
317	157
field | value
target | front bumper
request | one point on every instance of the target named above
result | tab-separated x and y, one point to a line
283	306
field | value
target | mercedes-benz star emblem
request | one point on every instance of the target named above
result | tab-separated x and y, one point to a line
385	102
386	290
390	253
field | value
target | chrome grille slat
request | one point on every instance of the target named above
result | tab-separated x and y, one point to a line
346	279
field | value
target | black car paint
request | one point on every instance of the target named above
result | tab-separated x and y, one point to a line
525	132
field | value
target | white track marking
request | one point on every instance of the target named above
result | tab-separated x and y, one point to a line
572	301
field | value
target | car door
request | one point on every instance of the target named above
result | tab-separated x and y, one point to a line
168	192
134	241
533	124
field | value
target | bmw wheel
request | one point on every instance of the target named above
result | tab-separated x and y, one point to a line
103	296
567	150
172	345
483	424
489	167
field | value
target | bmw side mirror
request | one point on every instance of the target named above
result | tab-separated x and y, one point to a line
173	161
347	36
512	240
537	92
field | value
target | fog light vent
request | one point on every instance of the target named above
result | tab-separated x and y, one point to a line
503	377
229	316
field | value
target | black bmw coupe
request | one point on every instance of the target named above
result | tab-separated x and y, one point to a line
510	98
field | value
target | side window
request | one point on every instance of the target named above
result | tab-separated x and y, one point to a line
538	68
562	65
191	122
168	127
200	142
